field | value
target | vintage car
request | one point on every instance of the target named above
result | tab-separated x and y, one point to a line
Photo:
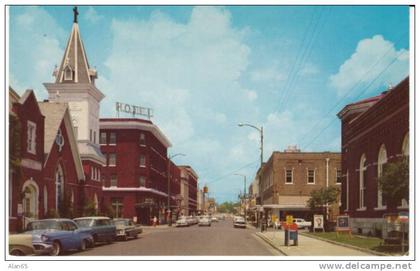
101	228
126	228
182	222
54	236
204	221
239	222
21	245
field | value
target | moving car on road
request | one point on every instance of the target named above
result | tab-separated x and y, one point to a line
53	236
302	223
102	228
204	221
239	222
126	228
21	245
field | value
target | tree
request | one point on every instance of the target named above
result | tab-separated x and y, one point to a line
227	207
394	182
322	198
90	209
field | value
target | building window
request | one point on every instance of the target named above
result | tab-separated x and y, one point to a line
92	173
142	139
382	160
142	181
338	176
59	187
112	160
114	181
112	138
98	177
289	176
311	176
68	73
31	142
117	206
45	199
94	137
142	161
405	145
347	190
102	139
362	182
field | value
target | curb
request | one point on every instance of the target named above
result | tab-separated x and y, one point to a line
268	241
346	245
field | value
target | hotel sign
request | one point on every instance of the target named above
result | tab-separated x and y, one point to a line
134	110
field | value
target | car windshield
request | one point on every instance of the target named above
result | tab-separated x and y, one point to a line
121	222
84	222
44	225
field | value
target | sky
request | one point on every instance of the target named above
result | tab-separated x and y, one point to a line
204	69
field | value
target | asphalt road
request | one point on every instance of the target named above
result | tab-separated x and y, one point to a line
221	239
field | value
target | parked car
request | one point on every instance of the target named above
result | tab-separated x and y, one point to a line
239	221
182	222
102	228
21	245
53	236
204	221
302	223
214	219
126	228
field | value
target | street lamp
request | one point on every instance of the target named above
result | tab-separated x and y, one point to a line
244	197
169	186
261	131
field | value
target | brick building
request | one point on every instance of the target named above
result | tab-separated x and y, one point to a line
288	178
26	151
189	188
135	176
374	132
62	171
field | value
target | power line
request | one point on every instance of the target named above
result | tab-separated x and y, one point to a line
232	172
360	94
359	82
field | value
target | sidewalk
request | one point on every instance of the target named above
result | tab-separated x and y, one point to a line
307	246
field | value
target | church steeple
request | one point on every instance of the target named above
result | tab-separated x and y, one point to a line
74	67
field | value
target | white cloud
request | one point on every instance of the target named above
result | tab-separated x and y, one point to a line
252	95
371	57
92	16
35	65
271	75
186	72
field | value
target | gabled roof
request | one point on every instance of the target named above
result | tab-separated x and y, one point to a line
75	59
55	114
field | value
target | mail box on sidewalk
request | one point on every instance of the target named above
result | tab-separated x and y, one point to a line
291	234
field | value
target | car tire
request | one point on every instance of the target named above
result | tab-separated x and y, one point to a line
56	249
17	252
125	238
83	245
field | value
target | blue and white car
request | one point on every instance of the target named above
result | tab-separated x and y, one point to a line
54	236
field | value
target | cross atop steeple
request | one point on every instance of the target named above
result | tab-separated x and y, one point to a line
75	13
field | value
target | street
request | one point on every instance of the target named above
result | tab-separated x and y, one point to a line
221	239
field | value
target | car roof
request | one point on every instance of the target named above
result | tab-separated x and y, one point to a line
92	217
53	219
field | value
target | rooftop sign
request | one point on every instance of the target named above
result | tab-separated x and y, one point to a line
134	110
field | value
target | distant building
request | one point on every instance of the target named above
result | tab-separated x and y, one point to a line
189	188
375	131
288	178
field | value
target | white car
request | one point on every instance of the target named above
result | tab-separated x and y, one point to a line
239	221
302	223
204	221
182	222
214	219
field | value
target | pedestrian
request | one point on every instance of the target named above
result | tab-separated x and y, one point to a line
154	221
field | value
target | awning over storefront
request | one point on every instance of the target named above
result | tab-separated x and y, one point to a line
134	189
298	203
